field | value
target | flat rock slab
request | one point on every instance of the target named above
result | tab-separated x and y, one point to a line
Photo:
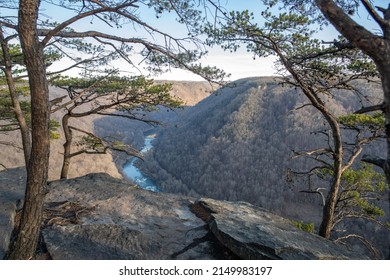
99	217
254	233
100	242
124	222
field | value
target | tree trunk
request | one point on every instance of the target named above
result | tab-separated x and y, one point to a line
24	129
329	208
67	146
377	47
23	246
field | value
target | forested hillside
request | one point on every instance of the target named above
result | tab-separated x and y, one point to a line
238	143
125	130
133	132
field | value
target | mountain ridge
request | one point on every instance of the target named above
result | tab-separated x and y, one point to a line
238	145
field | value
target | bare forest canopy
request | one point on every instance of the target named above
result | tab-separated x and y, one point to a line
238	145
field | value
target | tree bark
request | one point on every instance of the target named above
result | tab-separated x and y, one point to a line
67	146
23	246
24	129
329	209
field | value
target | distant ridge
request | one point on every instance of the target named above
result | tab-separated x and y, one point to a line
237	145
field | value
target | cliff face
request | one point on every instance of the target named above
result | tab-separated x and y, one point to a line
11	156
100	217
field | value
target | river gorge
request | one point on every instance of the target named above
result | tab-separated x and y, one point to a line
133	173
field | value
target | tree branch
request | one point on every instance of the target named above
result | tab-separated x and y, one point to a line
68	22
307	153
317	191
370	9
354	32
378	107
151	122
367	243
386	12
81	94
125	148
380	162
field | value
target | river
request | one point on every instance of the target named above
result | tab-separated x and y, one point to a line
134	174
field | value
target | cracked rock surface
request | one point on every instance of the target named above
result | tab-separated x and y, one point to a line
254	233
100	217
124	222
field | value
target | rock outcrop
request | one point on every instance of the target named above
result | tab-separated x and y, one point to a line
120	221
254	233
100	217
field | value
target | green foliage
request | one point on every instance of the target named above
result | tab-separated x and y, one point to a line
54	126
6	108
361	188
133	93
91	142
50	55
308	227
292	37
375	121
54	135
15	53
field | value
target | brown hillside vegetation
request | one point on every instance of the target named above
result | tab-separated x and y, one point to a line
12	155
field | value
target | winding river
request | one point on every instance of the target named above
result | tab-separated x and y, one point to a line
134	174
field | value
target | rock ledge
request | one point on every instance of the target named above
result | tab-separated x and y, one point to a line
100	217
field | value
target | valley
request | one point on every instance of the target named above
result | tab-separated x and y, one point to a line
236	144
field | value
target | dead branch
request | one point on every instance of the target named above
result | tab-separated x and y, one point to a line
316	191
308	153
374	251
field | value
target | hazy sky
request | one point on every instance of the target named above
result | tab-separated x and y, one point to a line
240	64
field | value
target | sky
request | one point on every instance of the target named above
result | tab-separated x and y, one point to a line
239	64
